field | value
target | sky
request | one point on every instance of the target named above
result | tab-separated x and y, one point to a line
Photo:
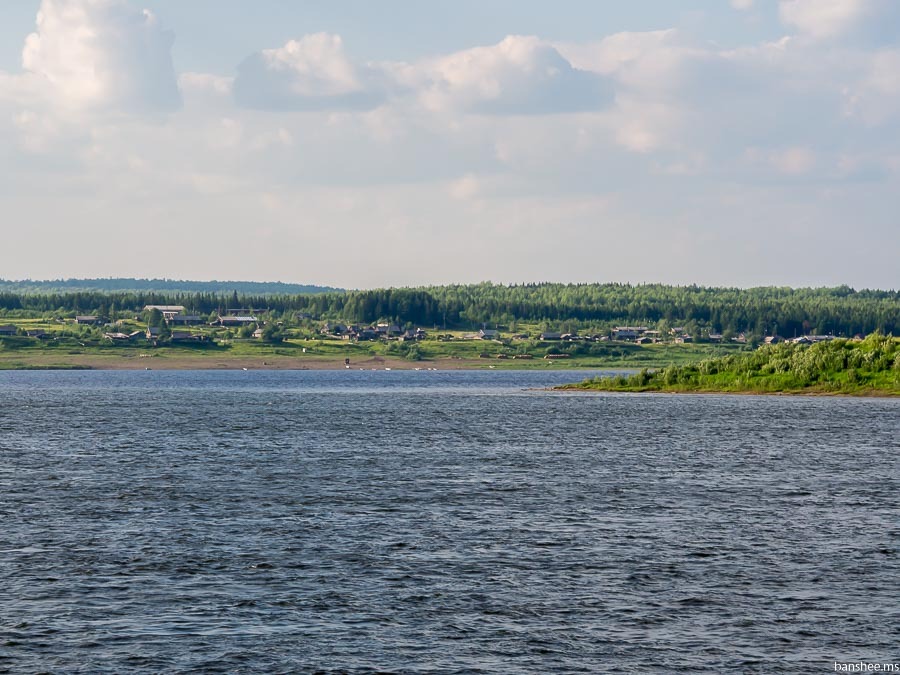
367	144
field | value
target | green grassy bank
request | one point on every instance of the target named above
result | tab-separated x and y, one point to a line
849	367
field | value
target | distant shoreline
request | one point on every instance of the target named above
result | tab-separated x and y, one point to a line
276	362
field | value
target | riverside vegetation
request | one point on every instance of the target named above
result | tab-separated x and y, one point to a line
855	367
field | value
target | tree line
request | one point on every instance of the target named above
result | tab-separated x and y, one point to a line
761	311
127	284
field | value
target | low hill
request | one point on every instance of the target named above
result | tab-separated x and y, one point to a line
120	285
866	367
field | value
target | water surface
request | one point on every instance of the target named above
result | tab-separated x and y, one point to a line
439	522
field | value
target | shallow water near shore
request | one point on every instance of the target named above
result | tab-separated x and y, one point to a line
422	521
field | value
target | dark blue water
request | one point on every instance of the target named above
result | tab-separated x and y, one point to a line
439	522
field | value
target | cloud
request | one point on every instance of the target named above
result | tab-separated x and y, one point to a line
793	161
832	19
206	84
742	5
100	54
312	73
655	141
519	75
875	96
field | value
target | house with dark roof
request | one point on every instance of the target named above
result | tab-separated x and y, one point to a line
184	319
235	320
8	331
186	336
168	311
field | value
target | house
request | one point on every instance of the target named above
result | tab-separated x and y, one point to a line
235	320
773	339
811	339
626	334
388	330
185	336
329	328
550	336
365	335
715	337
89	320
258	333
168	311
488	334
6	331
39	334
117	337
171	309
184	319
417	334
683	339
153	332
644	341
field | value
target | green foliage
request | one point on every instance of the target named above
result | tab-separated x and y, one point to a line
837	366
272	333
154	319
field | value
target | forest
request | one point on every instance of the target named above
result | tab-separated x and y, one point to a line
759	311
124	285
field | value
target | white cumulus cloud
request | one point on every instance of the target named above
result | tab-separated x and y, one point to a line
90	54
519	75
312	73
830	19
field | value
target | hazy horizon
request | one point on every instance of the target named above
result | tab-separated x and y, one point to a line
313	282
750	143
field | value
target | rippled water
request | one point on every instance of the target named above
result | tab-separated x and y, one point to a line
439	522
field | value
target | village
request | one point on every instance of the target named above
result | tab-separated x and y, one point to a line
174	325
